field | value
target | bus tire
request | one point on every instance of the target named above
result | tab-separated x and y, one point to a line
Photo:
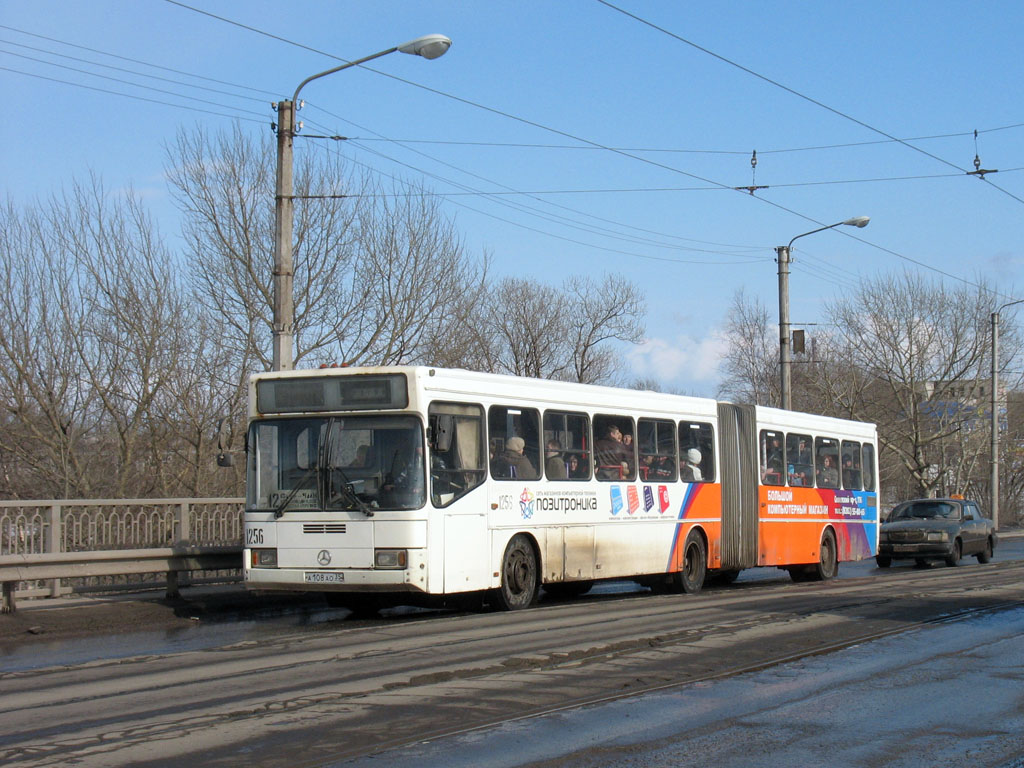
520	576
690	580
827	566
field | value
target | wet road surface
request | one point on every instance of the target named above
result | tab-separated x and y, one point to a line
317	688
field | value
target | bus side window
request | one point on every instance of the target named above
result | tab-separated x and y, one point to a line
799	462
614	448
868	467
515	438
457	452
826	453
696	452
851	465
566	446
772	457
656	441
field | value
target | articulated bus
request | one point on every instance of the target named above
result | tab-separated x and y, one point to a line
422	485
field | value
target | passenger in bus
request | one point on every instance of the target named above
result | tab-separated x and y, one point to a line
655	467
572	466
828	475
554	464
614	459
797	476
772	471
512	462
851	474
803	453
689	468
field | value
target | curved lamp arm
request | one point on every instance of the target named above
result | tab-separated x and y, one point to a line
428	46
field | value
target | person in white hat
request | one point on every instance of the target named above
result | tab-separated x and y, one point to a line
690	470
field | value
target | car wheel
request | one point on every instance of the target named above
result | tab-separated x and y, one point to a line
828	559
519	587
953	558
883	561
986	554
695	565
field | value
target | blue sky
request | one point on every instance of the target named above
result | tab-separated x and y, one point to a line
621	140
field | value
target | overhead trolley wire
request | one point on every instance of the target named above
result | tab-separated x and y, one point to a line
558	132
799	95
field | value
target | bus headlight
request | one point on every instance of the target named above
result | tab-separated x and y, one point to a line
390	558
264	558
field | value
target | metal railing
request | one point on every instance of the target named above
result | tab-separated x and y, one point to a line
40	540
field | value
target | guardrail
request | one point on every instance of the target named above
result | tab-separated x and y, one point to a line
73	538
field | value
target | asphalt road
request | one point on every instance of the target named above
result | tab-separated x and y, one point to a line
306	686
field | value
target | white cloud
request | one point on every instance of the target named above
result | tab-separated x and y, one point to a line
681	361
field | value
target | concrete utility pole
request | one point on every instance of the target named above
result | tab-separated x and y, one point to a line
785	363
284	206
429	47
785	393
994	479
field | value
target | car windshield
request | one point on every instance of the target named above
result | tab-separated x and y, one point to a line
927	510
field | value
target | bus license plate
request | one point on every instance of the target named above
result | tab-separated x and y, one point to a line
325	578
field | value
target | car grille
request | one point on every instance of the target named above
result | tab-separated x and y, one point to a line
906	536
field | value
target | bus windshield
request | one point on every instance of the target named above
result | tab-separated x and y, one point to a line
336	463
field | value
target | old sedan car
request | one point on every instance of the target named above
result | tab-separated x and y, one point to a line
936	529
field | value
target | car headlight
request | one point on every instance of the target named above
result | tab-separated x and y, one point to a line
938	536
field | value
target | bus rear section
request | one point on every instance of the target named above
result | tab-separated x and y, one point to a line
799	491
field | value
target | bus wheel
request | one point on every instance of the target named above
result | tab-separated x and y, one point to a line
695	565
519	582
828	560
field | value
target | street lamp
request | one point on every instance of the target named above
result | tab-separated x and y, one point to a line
429	47
994	482
785	395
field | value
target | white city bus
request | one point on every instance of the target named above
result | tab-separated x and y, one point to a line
412	484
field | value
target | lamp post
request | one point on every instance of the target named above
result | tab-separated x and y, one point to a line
429	47
785	395
994	482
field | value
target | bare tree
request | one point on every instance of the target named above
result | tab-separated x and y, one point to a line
751	364
95	327
600	314
526	328
922	351
377	272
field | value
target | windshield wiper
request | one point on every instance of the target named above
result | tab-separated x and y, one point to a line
347	490
279	511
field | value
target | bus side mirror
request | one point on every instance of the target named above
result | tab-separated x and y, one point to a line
441	436
224	459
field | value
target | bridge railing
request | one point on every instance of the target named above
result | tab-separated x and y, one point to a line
37	536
